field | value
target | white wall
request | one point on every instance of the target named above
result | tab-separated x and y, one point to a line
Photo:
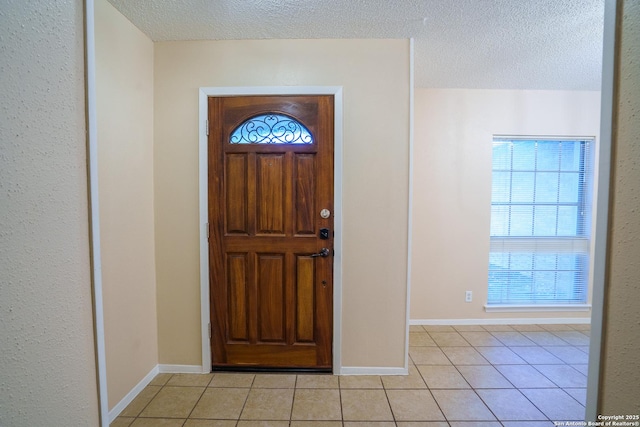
47	361
452	186
124	93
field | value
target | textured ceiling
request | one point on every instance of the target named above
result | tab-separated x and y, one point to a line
481	44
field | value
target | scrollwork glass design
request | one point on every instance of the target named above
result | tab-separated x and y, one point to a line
271	129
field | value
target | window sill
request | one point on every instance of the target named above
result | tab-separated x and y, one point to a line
519	308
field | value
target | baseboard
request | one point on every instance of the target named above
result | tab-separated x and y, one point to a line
507	321
348	370
365	370
113	413
158	369
181	369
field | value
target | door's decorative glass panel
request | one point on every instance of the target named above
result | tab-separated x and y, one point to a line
271	129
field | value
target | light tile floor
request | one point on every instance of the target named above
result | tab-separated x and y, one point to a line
459	376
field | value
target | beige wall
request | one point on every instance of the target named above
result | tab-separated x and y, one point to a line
124	92
47	359
620	382
452	186
375	77
45	289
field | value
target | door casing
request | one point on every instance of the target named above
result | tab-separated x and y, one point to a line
205	309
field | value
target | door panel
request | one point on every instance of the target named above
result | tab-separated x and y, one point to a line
237	198
270	203
271	300
305	298
304	196
271	294
237	269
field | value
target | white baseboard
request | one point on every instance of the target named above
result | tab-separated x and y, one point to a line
181	369
365	370
113	413
513	321
197	369
158	369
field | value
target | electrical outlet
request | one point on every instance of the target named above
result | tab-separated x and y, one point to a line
468	296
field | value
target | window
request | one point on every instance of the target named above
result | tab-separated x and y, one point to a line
271	128
540	221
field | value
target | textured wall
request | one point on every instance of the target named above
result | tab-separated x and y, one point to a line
47	368
124	94
452	186
620	386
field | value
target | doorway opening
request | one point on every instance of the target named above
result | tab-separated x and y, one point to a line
275	302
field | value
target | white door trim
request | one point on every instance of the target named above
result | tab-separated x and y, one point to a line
94	211
204	94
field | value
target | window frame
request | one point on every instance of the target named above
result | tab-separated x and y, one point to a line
578	243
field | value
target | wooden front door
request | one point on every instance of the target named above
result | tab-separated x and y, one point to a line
271	231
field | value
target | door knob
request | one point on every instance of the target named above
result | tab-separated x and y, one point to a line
324	252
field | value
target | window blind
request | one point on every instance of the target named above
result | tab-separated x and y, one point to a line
540	221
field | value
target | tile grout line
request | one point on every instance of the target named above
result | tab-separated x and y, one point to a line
492	365
518	389
393	415
574	343
151	400
468	383
244	405
545	376
554	382
199	399
293	400
340	399
434	398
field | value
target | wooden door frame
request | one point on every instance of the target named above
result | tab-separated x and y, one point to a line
205	308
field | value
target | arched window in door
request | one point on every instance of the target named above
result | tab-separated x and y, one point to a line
272	128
